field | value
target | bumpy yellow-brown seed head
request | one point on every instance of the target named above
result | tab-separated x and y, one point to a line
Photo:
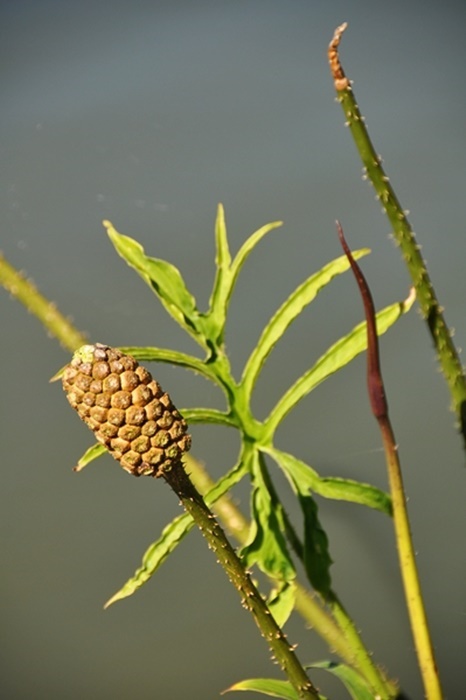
127	409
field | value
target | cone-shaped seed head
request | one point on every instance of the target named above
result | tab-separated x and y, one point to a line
127	409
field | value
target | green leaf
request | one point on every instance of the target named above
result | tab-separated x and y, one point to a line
227	274
266	544
171	536
164	279
336	357
288	312
341	489
247	248
172	357
336	488
317	560
92	453
315	554
267	686
208	415
281	602
222	283
353	682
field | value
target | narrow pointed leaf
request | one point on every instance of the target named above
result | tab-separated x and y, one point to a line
288	312
92	453
336	357
208	415
172	357
172	535
222	262
164	279
336	488
353	682
267	686
245	250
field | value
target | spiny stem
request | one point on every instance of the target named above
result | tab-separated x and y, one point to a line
406	554
336	635
47	313
251	598
403	234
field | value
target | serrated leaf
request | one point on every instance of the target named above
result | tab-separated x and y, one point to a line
331	487
356	686
288	312
154	556
163	278
336	357
267	545
172	535
267	686
90	455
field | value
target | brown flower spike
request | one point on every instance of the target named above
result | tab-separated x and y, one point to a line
127	410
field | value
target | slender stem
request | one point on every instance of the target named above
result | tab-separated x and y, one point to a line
403	234
47	313
361	659
406	556
250	596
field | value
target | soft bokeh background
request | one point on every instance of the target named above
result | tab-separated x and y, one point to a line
149	113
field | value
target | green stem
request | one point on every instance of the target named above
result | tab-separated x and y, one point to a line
409	572
250	596
361	659
47	313
404	236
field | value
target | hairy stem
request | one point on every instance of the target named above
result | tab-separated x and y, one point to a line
403	234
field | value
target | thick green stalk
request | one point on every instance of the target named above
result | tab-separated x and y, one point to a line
47	313
251	599
403	234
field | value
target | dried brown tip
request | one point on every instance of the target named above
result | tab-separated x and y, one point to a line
340	80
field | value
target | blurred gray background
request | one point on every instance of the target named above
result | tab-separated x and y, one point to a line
149	114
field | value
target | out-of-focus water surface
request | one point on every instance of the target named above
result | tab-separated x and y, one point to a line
149	114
